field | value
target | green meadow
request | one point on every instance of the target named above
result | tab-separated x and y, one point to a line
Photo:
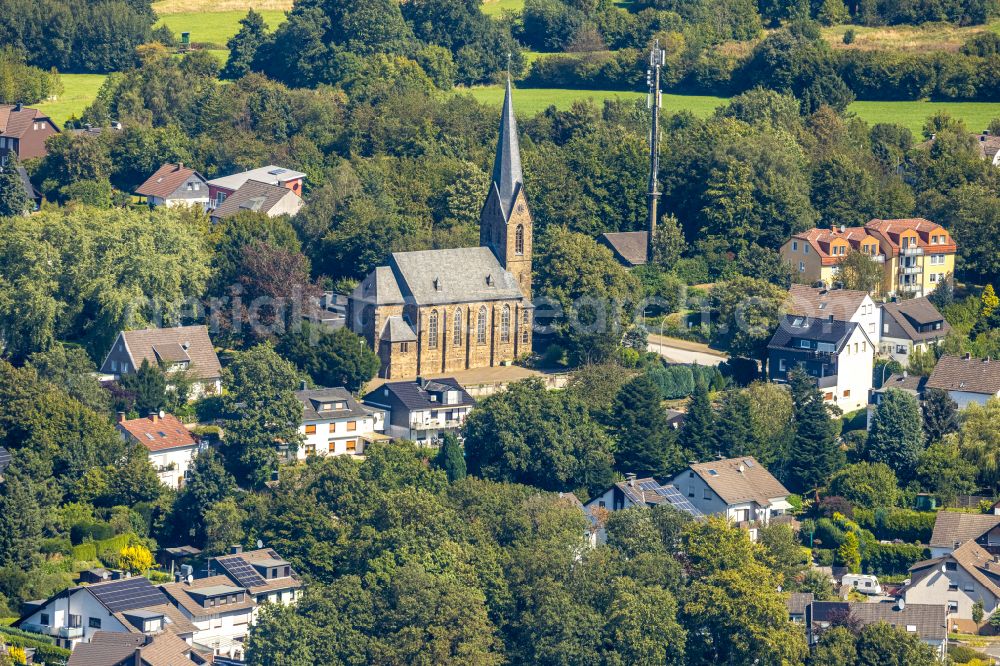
215	27
79	91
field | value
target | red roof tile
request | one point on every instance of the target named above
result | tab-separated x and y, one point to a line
163	433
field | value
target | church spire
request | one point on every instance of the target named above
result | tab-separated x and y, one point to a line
507	175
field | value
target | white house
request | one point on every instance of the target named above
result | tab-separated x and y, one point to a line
422	410
841	304
224	606
127	605
838	354
958	580
738	488
185	349
635	492
334	423
171	447
966	379
910	325
175	185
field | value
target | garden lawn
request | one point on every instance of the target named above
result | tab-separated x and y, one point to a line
80	91
215	27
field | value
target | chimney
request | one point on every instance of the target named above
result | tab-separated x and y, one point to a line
121	417
630	479
180	165
831	319
303	385
18	106
236	549
154	417
968	356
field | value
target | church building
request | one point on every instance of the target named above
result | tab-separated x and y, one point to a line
438	311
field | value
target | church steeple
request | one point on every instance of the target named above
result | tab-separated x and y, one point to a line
507	175
505	224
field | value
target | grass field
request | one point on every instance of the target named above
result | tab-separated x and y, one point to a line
495	7
215	27
923	38
80	91
530	101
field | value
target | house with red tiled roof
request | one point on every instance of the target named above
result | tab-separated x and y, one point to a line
23	132
171	446
916	254
175	185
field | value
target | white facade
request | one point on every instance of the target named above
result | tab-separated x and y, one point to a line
855	365
706	500
173	465
223	632
953	586
430	425
965	398
869	317
337	436
72	617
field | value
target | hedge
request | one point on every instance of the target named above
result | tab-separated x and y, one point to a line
891	558
86	552
903	524
45	651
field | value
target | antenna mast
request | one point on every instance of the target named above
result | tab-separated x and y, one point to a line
657	58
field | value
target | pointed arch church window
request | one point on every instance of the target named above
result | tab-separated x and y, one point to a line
519	239
525	327
457	326
505	324
481	326
432	330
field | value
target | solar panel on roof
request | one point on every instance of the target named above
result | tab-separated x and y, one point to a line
128	594
678	501
649	485
242	571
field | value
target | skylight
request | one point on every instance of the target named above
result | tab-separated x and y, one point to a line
712	472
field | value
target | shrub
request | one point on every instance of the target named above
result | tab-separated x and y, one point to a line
90	531
960	654
892	558
824	557
849	36
903	524
828	534
45	651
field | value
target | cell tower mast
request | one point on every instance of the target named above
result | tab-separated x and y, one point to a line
657	58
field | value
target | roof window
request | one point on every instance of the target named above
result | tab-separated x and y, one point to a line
712	472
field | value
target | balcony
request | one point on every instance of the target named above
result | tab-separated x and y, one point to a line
911	251
434	425
829	381
37	628
911	270
70	632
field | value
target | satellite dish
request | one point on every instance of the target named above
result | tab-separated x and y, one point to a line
260	544
162	414
900	604
190	579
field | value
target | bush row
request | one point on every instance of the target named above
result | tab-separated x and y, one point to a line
86	552
891	558
45	651
904	524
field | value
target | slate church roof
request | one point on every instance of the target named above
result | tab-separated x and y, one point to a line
507	176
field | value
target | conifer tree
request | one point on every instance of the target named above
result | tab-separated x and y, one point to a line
244	44
697	436
13	200
734	435
814	455
896	437
451	459
940	415
149	385
646	444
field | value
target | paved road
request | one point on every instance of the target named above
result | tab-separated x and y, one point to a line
682	351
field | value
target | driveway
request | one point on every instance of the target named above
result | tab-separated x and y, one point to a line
684	351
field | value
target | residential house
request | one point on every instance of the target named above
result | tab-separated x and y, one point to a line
219	189
989	147
422	410
220	611
797	603
740	489
916	253
171	447
258	197
632	492
910	325
958	580
124	606
966	379
952	529
838	354
927	621
335	423
175	185
179	349
911	384
265	575
841	304
629	247
107	648
23	132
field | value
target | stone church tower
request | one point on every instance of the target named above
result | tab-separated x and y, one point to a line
505	224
